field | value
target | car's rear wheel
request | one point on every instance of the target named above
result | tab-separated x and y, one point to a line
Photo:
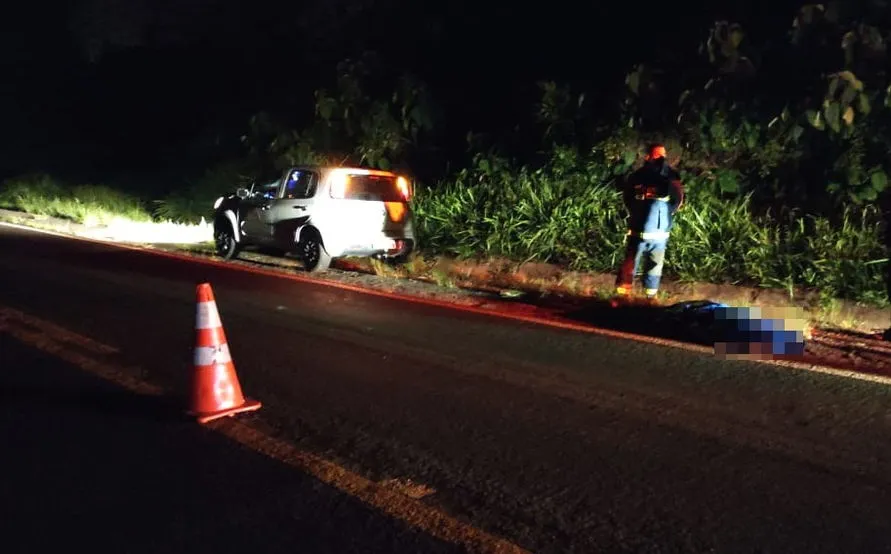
225	244
312	253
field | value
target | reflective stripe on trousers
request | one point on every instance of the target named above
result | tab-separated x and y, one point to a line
650	235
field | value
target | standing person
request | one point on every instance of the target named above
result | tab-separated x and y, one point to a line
652	195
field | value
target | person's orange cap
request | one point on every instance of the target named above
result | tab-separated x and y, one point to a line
657	152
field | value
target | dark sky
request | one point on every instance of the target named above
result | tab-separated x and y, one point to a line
101	86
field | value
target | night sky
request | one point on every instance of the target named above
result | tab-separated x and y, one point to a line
102	88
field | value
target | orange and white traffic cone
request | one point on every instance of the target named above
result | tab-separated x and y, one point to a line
216	391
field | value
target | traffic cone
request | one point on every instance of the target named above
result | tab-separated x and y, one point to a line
216	391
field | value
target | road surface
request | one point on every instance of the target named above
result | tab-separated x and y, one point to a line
93	468
556	440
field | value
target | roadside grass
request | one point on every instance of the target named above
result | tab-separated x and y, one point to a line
90	205
819	310
572	217
206	248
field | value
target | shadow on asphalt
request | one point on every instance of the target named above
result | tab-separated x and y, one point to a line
690	322
117	403
678	322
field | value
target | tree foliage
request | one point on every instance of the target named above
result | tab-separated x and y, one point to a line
351	124
803	119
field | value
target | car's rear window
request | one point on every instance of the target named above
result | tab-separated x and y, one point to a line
381	188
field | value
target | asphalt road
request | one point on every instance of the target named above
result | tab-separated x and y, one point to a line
558	440
90	467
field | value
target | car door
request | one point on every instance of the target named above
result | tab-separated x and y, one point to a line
255	220
293	206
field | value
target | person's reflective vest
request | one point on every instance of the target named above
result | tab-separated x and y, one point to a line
652	195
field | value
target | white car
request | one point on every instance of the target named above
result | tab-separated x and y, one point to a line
319	213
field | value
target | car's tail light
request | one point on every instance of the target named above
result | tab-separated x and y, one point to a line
404	188
396	211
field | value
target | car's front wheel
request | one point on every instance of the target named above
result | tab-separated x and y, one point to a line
312	253
225	244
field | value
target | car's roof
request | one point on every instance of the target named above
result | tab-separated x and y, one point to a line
351	169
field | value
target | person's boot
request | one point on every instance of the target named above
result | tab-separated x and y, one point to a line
621	297
652	298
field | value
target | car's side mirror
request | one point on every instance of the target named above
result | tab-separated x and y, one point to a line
242	193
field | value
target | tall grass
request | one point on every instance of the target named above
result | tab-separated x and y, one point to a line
88	204
490	209
571	214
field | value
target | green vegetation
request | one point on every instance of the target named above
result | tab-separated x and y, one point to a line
88	204
782	144
570	215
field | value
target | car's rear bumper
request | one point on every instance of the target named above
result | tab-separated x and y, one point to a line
401	249
385	247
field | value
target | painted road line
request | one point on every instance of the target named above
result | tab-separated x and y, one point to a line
52	339
70	347
489	312
60	333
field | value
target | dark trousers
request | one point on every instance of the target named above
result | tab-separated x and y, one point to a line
652	254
